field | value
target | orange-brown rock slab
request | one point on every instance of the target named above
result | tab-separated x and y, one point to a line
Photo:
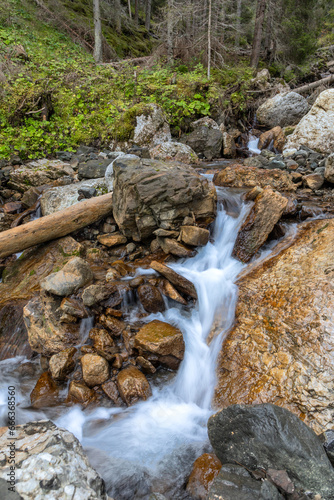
133	386
45	393
205	469
281	349
239	176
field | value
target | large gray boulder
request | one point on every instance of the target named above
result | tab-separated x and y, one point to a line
283	110
175	151
74	275
39	173
206	138
315	130
152	194
93	169
269	437
49	463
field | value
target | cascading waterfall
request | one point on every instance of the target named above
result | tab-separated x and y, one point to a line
177	412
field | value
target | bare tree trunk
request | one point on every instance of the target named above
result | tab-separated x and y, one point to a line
55	225
209	37
170	54
118	20
238	24
222	18
136	12
260	13
129	7
98	32
148	14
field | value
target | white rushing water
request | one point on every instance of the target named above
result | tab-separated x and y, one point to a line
253	144
177	413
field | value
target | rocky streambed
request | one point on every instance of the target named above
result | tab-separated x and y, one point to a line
108	334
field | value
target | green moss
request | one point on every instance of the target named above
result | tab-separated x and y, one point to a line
124	127
32	272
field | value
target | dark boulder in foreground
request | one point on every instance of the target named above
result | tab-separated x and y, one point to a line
271	442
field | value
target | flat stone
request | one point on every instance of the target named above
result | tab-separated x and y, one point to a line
110	389
204	471
173	247
313	181
181	284
112	240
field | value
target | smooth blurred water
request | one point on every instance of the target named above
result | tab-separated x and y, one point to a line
253	144
176	415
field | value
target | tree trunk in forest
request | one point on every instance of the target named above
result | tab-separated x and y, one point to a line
55	225
260	13
118	20
148	6
209	37
238	24
98	32
310	86
136	12
129	7
170	55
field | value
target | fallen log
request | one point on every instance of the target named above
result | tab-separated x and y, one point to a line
55	225
310	86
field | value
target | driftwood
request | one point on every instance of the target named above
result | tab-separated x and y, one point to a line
55	225
310	86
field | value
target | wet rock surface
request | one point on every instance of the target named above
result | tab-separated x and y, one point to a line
50	461
133	386
266	212
272	438
280	349
205	469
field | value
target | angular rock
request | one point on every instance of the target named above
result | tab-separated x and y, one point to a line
181	284
36	173
79	393
280	349
110	389
238	176
205	469
50	463
315	130
149	194
95	369
313	181
112	240
329	169
275	136
103	343
229	149
58	198
74	275
266	212
160	339
46	334
133	386
328	443
170	246
206	138
194	236
171	292
94	294
73	307
62	364
145	364
279	440
174	151
235	483
151	298
45	393
152	127
115	326
93	169
282	110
